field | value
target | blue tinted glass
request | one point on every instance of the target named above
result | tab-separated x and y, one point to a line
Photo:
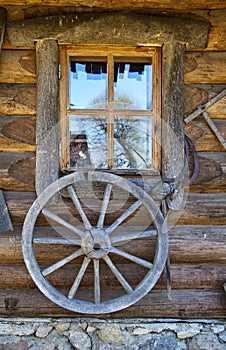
88	142
132	86
88	85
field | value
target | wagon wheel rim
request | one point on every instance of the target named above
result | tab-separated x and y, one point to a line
95	244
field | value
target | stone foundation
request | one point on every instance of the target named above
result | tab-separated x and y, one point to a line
122	334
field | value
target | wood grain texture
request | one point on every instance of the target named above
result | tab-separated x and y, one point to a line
17	99
184	304
173	4
126	28
17	66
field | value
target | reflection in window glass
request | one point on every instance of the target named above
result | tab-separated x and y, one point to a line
88	142
132	85
88	85
132	143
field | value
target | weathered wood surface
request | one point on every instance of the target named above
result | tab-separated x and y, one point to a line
17	99
17	66
5	221
200	209
205	67
3	19
184	276
187	245
17	171
198	94
170	4
125	28
47	139
184	304
217	34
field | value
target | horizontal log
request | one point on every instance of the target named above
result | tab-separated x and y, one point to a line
165	4
184	276
20	129
17	171
184	304
126	28
207	67
17	100
187	245
17	66
198	94
203	137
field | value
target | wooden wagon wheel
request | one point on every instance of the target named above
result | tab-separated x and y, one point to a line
96	244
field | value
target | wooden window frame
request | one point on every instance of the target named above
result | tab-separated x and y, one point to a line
120	53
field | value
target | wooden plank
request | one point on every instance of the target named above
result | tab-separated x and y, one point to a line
184	276
172	117
17	100
117	4
3	19
184	304
208	67
203	137
17	66
17	171
47	153
124	28
188	245
198	94
200	209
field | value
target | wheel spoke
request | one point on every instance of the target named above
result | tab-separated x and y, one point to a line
124	216
96	264
62	222
105	202
45	240
132	236
118	275
79	277
133	258
62	262
77	203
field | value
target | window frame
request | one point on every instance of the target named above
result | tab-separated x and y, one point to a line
120	53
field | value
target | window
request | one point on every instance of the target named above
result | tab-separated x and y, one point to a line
110	101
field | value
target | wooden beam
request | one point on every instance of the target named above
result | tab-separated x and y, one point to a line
172	117
118	4
126	28
3	16
47	155
184	304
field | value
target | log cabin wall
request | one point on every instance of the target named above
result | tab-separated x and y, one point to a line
196	242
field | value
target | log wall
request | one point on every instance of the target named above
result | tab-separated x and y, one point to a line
198	235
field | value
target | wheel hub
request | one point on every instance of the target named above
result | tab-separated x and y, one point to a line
95	243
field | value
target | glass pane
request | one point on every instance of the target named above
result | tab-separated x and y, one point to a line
88	142
88	85
132	86
133	143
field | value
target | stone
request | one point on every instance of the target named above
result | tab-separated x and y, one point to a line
111	334
14	328
222	336
80	340
62	327
90	329
140	330
43	330
218	328
205	341
20	345
186	334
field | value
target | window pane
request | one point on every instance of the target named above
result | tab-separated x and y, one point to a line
88	85
133	143
88	142
132	85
